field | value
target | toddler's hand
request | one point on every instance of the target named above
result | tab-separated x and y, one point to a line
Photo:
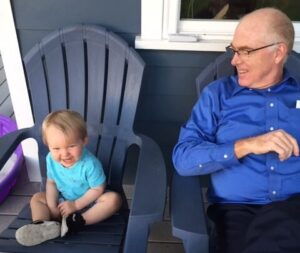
66	208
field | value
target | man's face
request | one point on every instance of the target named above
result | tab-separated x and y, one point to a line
259	69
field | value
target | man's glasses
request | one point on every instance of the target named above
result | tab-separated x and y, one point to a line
245	52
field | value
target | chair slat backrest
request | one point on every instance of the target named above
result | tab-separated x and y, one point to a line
93	71
219	68
222	67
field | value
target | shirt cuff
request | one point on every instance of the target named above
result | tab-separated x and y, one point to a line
225	155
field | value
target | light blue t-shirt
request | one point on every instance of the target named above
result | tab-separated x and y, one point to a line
74	182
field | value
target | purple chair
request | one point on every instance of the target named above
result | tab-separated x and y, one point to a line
9	172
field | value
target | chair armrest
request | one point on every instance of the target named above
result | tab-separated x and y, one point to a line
149	196
188	214
10	141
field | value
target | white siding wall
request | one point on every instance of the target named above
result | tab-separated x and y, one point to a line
5	101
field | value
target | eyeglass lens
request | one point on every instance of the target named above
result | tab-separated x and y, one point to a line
230	52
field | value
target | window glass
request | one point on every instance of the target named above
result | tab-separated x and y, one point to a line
234	9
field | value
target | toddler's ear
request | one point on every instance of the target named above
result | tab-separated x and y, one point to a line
85	141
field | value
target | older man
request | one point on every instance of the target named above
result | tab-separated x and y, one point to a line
244	131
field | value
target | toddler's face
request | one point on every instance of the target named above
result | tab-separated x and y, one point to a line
64	149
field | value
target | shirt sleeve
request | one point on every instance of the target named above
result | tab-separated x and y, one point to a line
197	151
49	167
95	174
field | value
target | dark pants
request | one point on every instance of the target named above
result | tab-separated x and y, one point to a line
270	228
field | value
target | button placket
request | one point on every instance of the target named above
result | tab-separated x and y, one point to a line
271	108
271	112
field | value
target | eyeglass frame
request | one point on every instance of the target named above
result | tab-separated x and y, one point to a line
246	52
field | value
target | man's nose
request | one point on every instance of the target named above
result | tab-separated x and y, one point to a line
235	59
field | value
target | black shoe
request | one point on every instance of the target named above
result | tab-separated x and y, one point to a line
72	224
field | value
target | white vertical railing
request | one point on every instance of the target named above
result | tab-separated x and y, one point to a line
15	77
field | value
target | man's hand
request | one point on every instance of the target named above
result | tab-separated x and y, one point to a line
277	141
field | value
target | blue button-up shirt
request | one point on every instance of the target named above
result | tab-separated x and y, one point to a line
227	112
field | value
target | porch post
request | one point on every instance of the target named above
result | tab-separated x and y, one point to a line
15	77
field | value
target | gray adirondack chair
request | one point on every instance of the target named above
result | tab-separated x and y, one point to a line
188	216
93	71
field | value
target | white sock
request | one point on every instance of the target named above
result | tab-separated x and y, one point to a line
64	228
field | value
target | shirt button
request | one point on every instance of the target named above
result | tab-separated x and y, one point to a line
271	104
274	192
271	128
269	90
200	165
225	156
272	168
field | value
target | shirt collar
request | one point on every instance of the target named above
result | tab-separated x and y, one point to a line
287	79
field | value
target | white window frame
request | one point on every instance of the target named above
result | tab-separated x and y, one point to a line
16	81
162	29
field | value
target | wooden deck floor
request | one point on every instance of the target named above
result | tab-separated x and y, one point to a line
160	240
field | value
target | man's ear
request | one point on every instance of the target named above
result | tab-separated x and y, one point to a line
281	53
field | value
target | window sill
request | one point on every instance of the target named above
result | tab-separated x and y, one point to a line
202	45
211	45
